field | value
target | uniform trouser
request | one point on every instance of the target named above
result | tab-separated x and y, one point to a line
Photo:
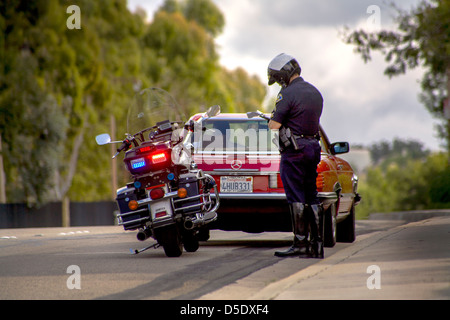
298	171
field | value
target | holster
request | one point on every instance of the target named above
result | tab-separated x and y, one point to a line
287	139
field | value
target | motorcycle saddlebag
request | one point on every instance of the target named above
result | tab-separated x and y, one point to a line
133	220
190	182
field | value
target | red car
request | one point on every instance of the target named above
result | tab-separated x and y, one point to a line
239	153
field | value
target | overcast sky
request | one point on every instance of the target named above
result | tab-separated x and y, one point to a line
361	105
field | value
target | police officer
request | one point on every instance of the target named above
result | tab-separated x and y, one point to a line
297	113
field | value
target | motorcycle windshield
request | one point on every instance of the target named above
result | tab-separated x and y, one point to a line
152	105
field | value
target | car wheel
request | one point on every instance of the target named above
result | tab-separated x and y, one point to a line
329	232
346	228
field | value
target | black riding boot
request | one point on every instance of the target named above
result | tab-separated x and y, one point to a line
300	244
316	225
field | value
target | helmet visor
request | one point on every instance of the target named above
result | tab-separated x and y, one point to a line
272	76
275	76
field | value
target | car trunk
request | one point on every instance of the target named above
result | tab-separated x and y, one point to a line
242	173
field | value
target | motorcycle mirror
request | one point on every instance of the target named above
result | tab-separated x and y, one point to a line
213	111
103	139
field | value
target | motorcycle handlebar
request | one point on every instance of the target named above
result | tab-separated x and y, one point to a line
125	145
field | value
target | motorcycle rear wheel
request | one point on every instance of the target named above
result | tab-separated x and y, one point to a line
170	239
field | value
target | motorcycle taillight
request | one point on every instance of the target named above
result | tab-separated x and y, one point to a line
144	149
159	157
157	193
140	162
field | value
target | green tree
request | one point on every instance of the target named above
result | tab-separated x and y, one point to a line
33	124
245	92
182	48
55	84
206	14
386	152
401	183
422	39
184	60
61	87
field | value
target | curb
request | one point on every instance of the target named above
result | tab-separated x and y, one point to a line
410	216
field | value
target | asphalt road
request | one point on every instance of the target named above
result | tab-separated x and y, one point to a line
96	263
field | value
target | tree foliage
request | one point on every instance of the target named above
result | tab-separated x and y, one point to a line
404	177
386	152
59	87
422	39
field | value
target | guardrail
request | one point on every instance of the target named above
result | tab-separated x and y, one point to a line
18	215
103	213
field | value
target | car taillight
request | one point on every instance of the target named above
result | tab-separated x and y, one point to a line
157	193
280	182
273	181
159	157
320	181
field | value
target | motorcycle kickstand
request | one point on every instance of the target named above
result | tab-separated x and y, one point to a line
137	251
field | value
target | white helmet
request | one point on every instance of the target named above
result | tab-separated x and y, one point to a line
282	68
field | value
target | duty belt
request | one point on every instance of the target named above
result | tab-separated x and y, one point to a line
304	136
289	140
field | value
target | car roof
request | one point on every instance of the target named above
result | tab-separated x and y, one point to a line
243	116
230	116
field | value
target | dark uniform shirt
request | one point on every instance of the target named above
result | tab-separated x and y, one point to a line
299	107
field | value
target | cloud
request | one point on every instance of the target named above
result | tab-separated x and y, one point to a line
362	105
312	13
150	6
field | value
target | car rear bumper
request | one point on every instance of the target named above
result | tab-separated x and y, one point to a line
325	197
258	212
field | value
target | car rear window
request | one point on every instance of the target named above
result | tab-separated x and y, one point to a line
237	136
220	135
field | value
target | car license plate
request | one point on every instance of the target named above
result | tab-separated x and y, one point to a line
236	184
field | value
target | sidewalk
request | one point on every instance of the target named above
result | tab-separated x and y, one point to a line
410	261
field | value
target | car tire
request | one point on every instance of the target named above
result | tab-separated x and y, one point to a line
329	222
346	229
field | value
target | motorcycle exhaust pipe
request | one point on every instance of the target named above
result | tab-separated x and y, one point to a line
199	220
189	224
143	235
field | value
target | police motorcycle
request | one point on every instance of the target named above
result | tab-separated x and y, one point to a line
168	199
